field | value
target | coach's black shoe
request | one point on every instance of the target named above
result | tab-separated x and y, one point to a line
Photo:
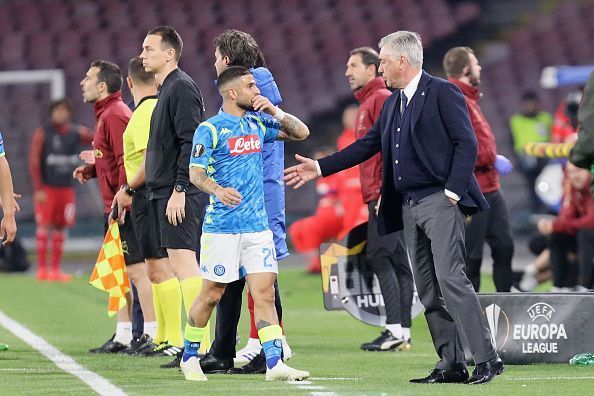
485	372
138	344
438	376
213	365
110	346
256	366
386	342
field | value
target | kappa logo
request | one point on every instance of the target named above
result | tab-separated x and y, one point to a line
498	324
225	131
219	270
204	269
244	145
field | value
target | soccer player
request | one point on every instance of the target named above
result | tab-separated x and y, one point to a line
102	87
8	203
237	48
52	155
176	207
226	162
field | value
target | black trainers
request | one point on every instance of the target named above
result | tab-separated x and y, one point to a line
387	342
110	346
256	366
163	349
175	362
138	344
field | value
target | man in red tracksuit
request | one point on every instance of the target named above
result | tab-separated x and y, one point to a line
53	152
386	254
463	70
572	232
102	87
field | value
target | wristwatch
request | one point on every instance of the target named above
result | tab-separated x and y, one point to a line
180	188
129	190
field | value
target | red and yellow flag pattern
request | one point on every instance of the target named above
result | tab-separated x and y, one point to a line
110	273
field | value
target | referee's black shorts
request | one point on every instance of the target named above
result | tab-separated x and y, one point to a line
145	226
130	245
185	235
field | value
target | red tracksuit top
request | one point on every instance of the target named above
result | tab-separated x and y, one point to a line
112	118
484	169
371	99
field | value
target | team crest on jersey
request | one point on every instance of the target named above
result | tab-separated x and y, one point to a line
219	270
198	151
244	145
98	153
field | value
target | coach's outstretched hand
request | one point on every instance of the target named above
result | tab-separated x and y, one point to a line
298	175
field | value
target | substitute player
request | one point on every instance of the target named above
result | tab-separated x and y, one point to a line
226	162
52	155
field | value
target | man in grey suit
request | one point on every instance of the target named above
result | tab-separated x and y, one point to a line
429	150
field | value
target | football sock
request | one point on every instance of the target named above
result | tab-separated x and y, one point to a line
57	246
406	333
160	333
190	288
253	329
123	333
150	329
193	338
271	339
170	297
395	329
41	239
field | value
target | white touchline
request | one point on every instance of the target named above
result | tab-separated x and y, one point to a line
548	378
65	362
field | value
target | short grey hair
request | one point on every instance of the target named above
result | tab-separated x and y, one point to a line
405	43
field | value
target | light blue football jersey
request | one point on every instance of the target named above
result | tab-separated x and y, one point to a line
2	153
230	149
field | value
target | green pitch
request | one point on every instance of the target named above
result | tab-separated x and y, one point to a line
73	318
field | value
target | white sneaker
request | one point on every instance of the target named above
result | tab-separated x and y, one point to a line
192	370
282	372
249	352
287	352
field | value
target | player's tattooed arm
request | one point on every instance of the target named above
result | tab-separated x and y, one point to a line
292	128
227	195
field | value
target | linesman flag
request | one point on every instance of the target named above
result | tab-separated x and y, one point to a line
110	273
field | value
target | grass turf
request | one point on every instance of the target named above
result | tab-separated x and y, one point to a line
73	318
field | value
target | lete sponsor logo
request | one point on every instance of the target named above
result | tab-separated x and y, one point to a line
244	145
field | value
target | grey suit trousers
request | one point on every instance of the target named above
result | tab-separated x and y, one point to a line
434	231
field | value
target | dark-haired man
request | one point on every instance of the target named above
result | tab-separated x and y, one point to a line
52	155
143	87
102	87
463	70
237	48
176	207
386	254
237	241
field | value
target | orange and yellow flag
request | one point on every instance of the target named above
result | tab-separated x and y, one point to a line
110	273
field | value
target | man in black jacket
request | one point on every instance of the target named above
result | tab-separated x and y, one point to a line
176	206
